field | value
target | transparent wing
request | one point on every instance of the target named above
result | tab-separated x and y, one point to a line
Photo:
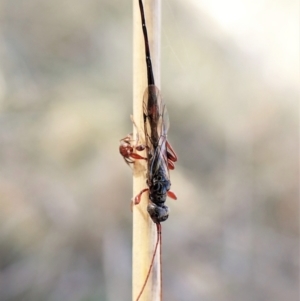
159	163
156	122
156	117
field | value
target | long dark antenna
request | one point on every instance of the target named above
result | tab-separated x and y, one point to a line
150	75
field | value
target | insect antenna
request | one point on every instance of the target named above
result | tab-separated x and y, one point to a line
158	242
150	75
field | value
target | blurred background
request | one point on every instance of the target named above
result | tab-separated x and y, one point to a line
230	76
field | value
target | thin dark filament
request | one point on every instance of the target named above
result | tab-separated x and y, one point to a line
158	226
150	75
160	258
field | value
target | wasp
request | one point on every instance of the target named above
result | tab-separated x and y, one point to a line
160	156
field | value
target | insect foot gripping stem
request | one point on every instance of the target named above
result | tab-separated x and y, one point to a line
158	213
128	150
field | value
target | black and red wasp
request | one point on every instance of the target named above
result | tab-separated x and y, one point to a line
160	155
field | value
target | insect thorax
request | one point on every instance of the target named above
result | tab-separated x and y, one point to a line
158	188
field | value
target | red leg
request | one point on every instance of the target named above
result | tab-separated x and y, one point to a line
137	199
171	165
136	156
171	153
172	195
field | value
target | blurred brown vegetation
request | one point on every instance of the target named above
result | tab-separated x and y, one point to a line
65	101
